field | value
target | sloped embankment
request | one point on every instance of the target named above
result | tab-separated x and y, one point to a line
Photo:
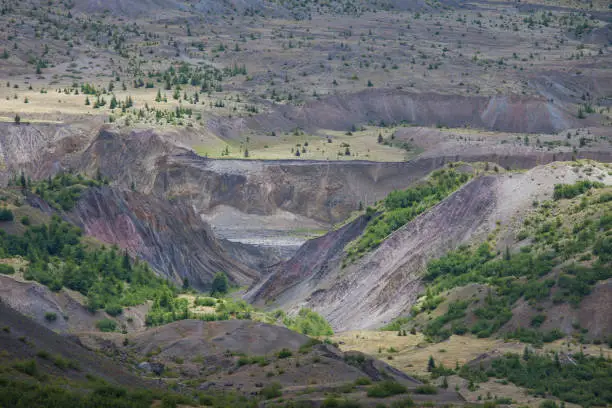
22	338
171	237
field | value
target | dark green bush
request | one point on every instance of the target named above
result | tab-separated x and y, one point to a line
113	309
6	214
284	353
51	316
28	367
426	389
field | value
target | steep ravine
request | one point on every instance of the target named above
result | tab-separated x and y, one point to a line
170	236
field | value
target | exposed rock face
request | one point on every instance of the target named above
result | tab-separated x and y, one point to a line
340	112
170	236
312	261
40	150
322	191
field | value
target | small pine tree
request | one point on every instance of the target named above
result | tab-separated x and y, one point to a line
526	353
431	364
220	284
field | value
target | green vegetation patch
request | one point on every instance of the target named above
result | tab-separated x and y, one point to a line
62	191
579	379
570	251
402	206
58	258
309	322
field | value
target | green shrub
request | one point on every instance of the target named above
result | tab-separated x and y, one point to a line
205	301
385	389
308	322
6	214
363	381
113	309
573	190
51	316
28	367
106	325
427	389
6	269
537	320
284	353
271	391
220	284
405	402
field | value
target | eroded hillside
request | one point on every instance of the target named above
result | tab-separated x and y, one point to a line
386	281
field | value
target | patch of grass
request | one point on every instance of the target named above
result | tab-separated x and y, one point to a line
576	189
